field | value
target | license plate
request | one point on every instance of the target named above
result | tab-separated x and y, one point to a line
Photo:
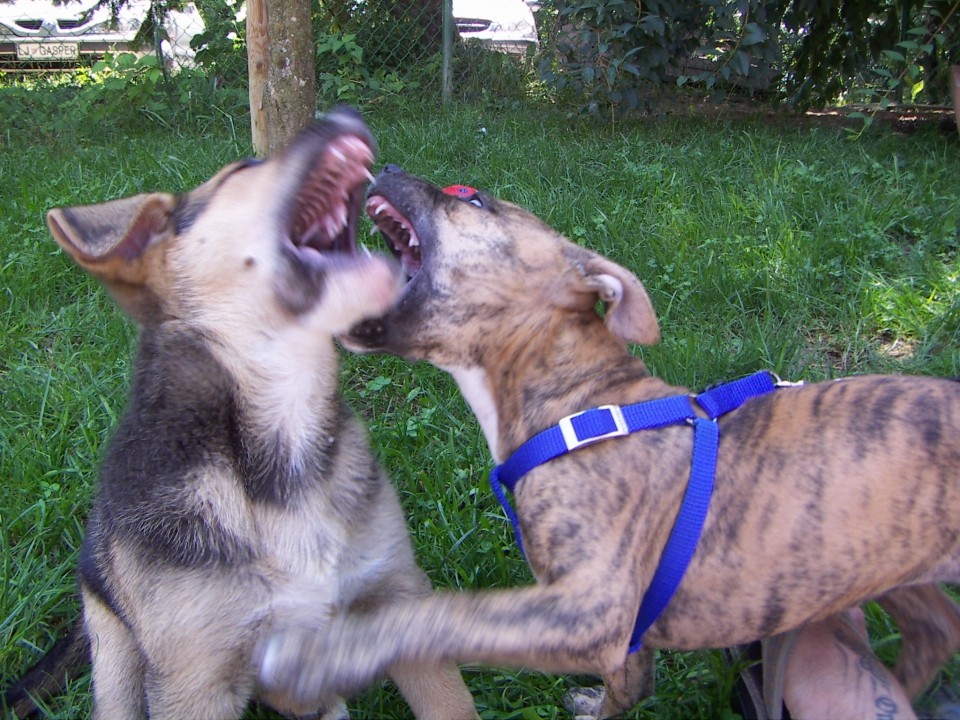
48	51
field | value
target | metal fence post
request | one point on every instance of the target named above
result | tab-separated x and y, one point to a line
446	81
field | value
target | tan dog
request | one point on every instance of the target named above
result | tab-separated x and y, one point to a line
825	495
237	480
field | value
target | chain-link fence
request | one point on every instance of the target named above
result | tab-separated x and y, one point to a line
358	42
431	42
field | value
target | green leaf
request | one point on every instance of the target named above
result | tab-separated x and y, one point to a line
916	90
753	35
740	62
894	55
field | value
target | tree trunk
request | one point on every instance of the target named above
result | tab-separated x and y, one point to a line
283	83
258	60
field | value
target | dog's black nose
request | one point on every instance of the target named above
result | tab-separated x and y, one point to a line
391	168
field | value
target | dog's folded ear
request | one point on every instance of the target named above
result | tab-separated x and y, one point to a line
629	312
118	242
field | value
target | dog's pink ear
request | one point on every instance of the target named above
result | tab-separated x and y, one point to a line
118	242
629	313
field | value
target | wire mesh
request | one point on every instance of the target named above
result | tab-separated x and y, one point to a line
358	42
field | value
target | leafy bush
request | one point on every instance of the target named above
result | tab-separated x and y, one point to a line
872	49
121	93
616	53
221	49
344	77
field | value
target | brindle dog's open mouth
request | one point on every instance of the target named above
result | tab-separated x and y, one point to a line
326	210
399	232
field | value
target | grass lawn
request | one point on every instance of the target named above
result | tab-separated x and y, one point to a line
803	249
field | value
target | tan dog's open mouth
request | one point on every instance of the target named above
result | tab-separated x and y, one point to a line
326	210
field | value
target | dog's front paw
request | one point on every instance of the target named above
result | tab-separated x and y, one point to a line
584	703
309	666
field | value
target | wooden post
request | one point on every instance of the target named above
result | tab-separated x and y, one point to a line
258	61
282	69
291	98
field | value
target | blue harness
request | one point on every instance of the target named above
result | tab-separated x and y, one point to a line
610	421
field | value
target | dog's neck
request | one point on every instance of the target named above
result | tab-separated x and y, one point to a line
290	376
523	387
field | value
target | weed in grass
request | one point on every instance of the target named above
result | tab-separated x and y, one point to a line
792	248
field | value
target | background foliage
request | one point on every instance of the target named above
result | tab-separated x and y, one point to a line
606	55
809	53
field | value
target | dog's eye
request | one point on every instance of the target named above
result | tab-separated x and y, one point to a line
465	193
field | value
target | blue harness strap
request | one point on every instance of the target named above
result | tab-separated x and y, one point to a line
610	421
685	535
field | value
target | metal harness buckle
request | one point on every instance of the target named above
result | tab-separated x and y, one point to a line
574	441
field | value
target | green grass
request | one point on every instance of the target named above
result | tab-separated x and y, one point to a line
797	248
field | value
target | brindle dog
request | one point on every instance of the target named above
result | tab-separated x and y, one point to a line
826	495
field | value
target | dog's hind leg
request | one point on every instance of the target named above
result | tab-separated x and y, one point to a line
434	693
199	672
118	670
200	685
929	623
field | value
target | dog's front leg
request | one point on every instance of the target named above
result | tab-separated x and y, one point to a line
117	665
629	684
559	629
622	688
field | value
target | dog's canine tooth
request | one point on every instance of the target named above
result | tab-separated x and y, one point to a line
331	226
338	154
414	240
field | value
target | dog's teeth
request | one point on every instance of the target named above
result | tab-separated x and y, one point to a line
369	175
332	227
373	230
366	250
338	154
414	241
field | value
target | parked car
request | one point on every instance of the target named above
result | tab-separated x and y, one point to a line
505	25
36	34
